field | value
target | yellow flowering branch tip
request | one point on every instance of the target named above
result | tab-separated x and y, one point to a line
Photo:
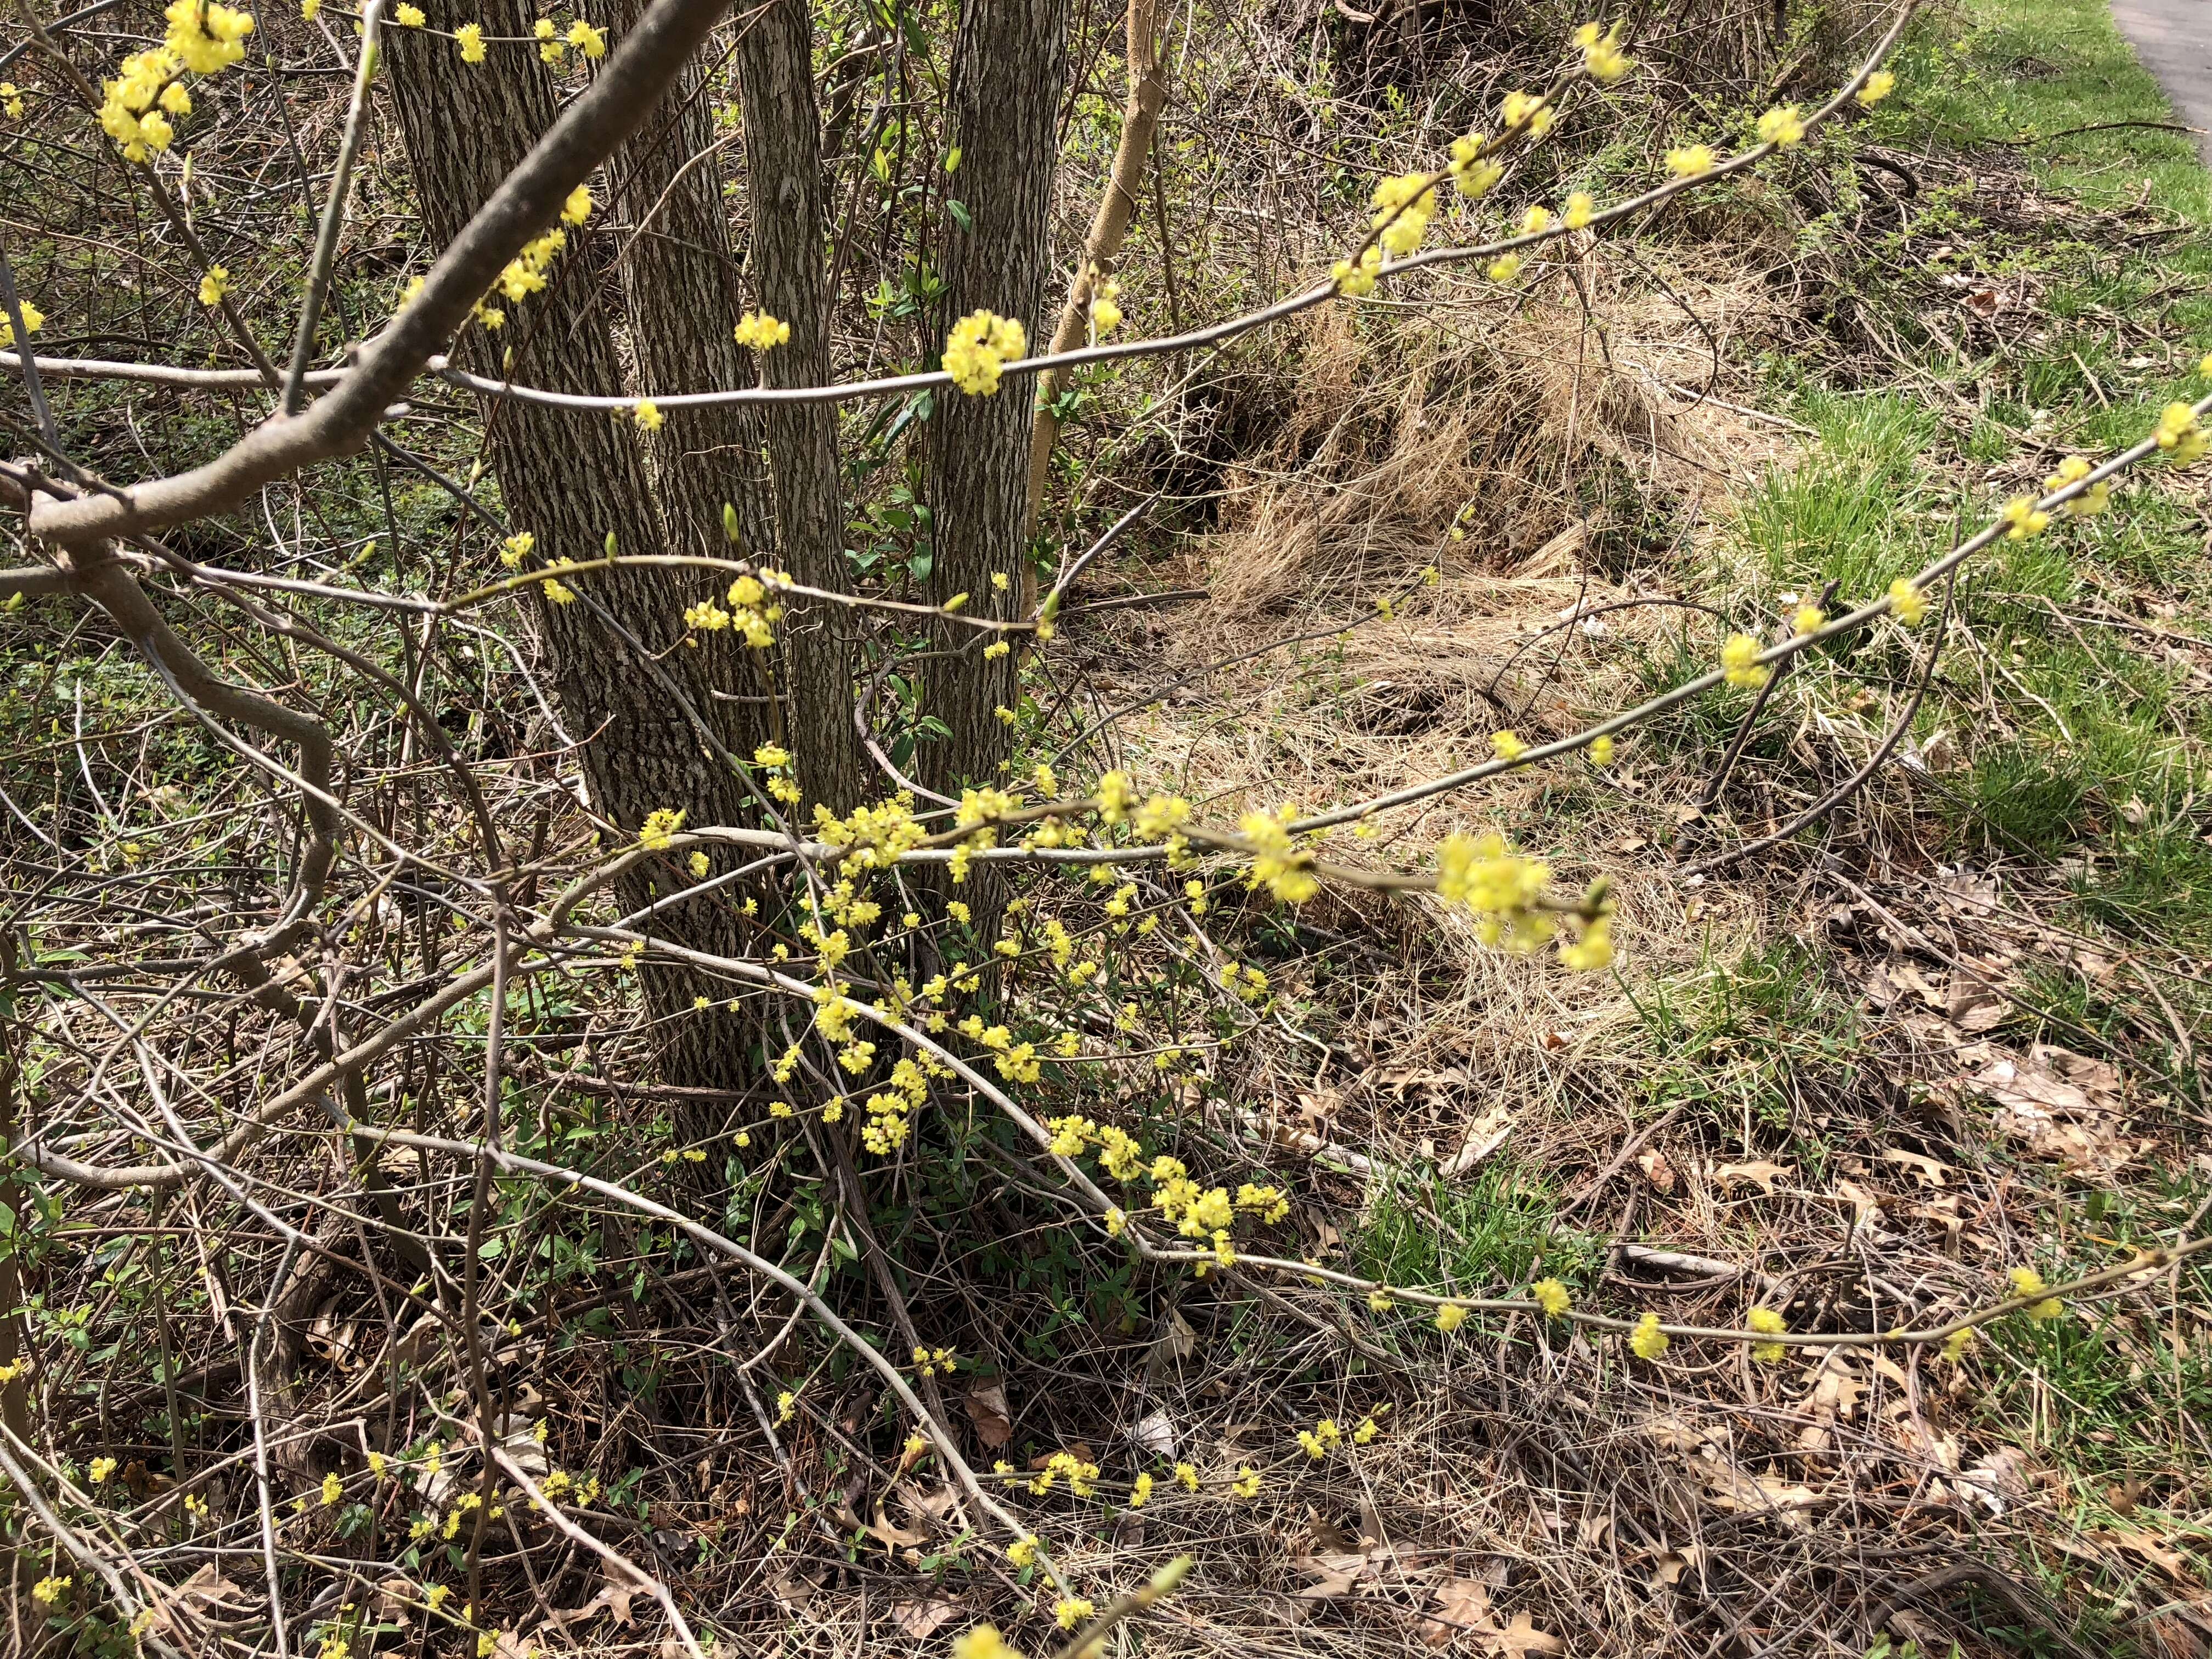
1740	664
761	331
981	345
1908	602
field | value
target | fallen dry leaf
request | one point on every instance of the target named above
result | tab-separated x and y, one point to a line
1765	1172
1656	1169
987	1410
1462	1605
1483	1136
923	1619
1930	1171
1522	1636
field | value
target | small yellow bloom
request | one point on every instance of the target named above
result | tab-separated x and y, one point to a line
1450	1317
1767	1323
1806	619
578	207
586	39
214	285
648	414
1907	603
1247	1483
2023	518
1600	750
1023	1551
101	1468
2025	1282
1740	664
1581	208
1782	126
1507	745
1504	268
470	39
761	331
408	17
1690	161
1551	1296
1071	1610
1879	86
1647	1340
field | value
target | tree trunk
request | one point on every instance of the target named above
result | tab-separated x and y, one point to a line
681	277
1008	67
571	477
783	170
1148	96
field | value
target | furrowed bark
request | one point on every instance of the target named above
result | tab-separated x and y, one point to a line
1009	65
571	478
783	170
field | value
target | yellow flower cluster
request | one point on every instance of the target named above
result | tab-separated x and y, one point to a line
1278	863
1879	86
2180	436
1551	1296
1767	1323
1602	53
1105	306
577	207
1782	126
1502	887
1071	1610
872	837
2023	518
1528	110
470	37
761	331
33	320
752	614
2091	502
203	37
1081	1476
1322	1439
2025	1282
981	344
887	1109
1690	161
1403	205
11	100
1740	664
930	1361
658	833
215	283
1473	173
1647	1340
410	17
1908	603
525	274
1593	952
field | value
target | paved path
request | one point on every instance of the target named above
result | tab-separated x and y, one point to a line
2174	39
